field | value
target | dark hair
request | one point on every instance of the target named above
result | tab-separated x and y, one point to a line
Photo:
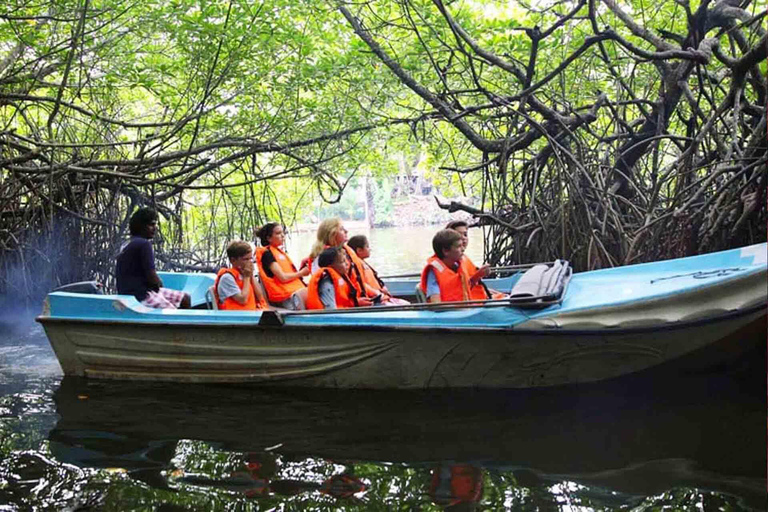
457	224
265	232
140	219
443	240
329	256
357	242
238	249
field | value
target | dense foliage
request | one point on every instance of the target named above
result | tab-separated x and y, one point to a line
609	132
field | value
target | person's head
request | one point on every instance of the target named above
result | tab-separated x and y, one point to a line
143	223
360	245
462	228
447	245
330	232
334	258
272	234
240	254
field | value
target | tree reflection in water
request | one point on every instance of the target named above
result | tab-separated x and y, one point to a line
200	477
694	445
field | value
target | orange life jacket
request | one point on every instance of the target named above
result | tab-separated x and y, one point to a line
454	284
278	291
371	277
346	292
357	273
461	483
479	291
253	303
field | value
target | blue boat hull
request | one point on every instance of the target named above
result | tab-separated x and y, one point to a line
611	323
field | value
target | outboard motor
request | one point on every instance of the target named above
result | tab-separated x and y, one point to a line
88	287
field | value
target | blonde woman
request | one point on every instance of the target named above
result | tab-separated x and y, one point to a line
332	233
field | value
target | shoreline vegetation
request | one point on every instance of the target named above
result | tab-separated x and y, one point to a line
415	210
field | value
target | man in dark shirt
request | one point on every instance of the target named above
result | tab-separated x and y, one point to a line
136	273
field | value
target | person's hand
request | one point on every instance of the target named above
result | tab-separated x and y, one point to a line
386	291
305	271
247	269
481	273
364	301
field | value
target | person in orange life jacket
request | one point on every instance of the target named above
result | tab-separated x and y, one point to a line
476	274
457	486
235	287
359	243
282	282
135	269
331	233
330	287
443	279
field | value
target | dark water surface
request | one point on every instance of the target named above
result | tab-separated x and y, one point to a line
694	442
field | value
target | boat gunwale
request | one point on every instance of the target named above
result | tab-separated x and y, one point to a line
552	331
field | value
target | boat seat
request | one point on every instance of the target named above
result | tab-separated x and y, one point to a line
210	299
420	297
261	287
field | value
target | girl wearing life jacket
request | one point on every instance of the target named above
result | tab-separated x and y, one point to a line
235	288
359	243
330	286
283	284
332	233
443	278
479	290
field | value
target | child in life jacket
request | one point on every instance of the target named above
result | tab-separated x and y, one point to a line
443	278
330	286
282	282
332	233
477	274
359	243
235	288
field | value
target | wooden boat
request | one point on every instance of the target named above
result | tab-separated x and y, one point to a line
607	323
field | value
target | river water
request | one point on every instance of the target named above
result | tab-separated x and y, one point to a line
681	442
393	250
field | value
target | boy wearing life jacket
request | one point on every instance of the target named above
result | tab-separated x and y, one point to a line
479	290
330	287
359	243
443	278
235	288
135	272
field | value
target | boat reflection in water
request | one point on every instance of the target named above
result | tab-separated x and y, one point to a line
700	440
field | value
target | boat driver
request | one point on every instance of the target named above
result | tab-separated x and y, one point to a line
135	272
